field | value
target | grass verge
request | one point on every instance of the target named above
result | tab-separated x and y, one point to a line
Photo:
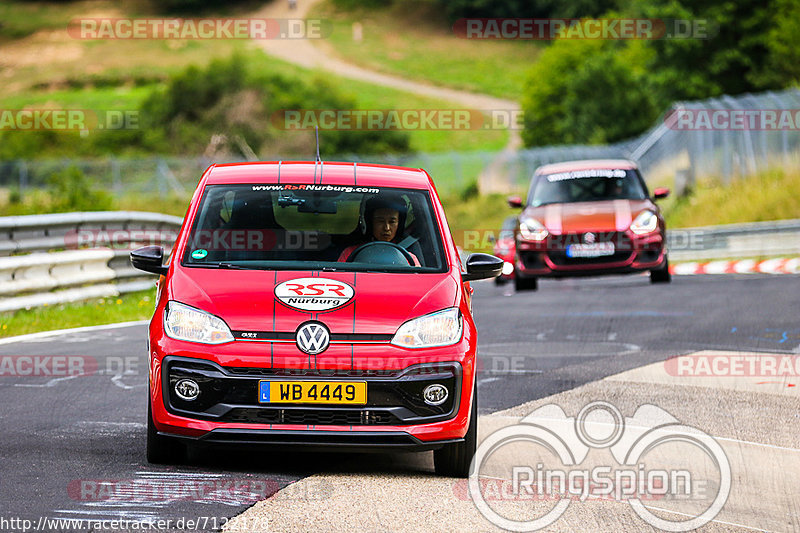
124	308
414	40
770	195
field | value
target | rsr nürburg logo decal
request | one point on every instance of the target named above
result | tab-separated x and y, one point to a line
314	294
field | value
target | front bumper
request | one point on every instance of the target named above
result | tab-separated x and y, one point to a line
394	398
549	258
394	417
350	441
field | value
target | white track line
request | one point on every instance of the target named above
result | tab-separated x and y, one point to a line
55	332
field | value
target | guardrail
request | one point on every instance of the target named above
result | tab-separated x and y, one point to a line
735	241
76	256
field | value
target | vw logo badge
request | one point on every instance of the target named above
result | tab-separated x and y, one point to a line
313	338
589	238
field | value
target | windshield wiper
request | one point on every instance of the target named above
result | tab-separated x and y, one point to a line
231	266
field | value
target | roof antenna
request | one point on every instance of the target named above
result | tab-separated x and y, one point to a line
316	132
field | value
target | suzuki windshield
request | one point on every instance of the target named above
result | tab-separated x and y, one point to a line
587	186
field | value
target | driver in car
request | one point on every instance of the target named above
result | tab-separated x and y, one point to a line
383	218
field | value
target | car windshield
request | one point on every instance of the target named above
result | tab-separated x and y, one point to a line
315	227
586	186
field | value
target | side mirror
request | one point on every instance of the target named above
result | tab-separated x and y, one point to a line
482	266
660	192
514	201
150	259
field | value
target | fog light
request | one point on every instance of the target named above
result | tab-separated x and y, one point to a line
508	268
187	389
435	394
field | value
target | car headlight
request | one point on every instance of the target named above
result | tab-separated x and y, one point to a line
532	230
436	329
189	324
646	222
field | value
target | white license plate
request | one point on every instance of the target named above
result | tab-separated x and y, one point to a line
598	249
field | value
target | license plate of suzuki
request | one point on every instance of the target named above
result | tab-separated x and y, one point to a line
328	392
599	249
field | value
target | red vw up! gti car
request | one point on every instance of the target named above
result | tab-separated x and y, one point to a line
588	218
316	304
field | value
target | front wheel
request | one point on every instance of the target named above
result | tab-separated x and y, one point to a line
661	274
162	450
454	460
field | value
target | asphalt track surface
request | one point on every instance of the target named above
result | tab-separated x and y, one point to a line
66	441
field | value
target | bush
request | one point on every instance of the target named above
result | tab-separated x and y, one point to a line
456	9
226	99
70	190
585	92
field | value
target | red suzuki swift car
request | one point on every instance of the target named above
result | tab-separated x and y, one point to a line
588	218
315	304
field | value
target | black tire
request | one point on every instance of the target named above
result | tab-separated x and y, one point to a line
454	460
162	450
525	284
661	274
499	281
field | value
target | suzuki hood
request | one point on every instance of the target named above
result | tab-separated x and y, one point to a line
579	217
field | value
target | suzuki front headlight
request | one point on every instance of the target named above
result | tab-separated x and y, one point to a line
646	222
531	229
436	329
189	324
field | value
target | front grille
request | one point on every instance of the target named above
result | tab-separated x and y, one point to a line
561	259
342	373
312	417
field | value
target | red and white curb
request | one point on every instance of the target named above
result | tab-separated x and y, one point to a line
744	266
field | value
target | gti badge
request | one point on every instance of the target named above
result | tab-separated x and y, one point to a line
312	338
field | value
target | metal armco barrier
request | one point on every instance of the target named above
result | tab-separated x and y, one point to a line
75	256
735	241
